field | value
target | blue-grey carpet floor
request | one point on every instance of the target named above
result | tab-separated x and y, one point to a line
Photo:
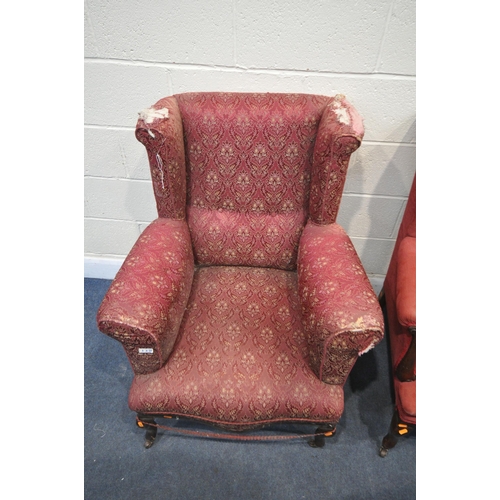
117	466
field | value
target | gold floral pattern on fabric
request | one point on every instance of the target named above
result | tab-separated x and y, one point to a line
241	355
163	139
248	160
340	311
246	239
144	305
339	134
244	303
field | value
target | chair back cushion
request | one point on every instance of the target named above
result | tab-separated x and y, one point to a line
248	161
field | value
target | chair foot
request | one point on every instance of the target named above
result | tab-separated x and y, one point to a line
326	430
397	428
148	423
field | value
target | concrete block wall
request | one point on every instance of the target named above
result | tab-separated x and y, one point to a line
137	52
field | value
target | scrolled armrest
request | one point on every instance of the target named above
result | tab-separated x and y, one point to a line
144	305
340	310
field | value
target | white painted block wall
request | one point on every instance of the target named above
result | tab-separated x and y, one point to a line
137	52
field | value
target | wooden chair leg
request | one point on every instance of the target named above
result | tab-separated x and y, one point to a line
326	430
397	428
148	423
391	438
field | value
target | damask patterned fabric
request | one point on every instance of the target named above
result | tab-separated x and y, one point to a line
241	358
163	139
339	307
244	303
339	135
145	304
249	164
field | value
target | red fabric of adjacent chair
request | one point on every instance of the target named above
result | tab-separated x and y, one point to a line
244	303
399	298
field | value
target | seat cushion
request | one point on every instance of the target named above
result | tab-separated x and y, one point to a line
241	356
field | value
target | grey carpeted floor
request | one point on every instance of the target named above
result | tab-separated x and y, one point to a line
117	466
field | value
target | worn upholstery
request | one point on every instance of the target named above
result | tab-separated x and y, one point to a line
242	356
245	302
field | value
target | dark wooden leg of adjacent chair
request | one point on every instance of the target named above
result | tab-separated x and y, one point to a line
397	428
325	430
391	438
147	422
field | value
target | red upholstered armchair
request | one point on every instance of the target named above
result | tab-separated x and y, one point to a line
398	296
244	303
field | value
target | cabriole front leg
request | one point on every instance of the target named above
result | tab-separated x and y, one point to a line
397	428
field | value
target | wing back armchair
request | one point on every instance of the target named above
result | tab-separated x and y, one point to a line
244	303
399	298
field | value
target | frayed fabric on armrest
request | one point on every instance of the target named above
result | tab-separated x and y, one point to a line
144	305
341	313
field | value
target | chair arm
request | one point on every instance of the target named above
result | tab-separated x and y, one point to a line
406	296
340	311
144	305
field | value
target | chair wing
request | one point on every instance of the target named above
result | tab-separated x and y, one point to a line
244	303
